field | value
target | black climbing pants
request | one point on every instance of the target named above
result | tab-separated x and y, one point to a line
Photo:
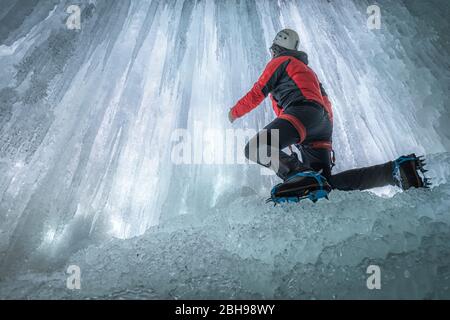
317	127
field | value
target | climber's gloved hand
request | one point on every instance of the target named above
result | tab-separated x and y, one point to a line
231	117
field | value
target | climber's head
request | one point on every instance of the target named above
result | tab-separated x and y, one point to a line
285	39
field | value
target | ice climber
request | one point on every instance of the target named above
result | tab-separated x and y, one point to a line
305	119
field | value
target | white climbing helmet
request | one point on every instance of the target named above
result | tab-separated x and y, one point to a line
288	39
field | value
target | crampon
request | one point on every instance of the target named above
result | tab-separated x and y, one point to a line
409	172
303	185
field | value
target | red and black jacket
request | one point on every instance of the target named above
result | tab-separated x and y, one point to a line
289	81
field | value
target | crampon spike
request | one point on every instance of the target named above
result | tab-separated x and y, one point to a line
409	171
290	196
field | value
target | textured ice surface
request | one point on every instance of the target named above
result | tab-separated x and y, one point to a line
242	248
85	123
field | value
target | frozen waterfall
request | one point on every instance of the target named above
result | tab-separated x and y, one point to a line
87	116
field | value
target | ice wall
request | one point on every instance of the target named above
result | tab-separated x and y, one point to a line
86	115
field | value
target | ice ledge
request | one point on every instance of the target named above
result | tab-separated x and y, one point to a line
247	249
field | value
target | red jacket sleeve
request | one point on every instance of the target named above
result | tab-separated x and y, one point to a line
261	88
